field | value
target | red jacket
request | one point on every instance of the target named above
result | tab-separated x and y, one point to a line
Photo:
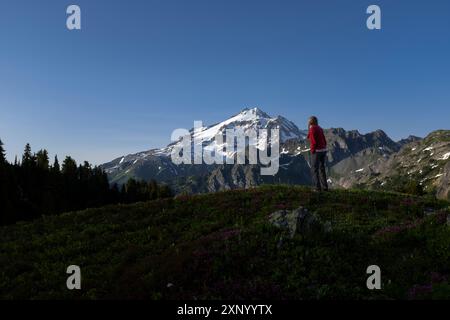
316	139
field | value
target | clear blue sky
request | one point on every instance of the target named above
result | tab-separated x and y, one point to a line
139	69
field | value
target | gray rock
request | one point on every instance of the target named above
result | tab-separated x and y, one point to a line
298	221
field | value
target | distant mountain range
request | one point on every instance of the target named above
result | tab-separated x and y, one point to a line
371	160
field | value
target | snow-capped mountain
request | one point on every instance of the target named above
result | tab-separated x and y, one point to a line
245	121
252	119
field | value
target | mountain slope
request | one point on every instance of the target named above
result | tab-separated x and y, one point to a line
223	246
426	161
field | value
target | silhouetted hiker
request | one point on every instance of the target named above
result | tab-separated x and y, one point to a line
318	154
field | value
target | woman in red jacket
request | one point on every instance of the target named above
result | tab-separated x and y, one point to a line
318	154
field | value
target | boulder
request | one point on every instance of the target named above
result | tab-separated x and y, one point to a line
298	221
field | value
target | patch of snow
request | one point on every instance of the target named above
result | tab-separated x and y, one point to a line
446	156
360	170
414	149
123	158
438	175
428	149
301	151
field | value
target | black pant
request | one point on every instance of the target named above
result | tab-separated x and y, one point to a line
318	170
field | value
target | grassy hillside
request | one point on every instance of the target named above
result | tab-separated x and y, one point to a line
222	246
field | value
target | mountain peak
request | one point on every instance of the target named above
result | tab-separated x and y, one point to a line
410	139
255	111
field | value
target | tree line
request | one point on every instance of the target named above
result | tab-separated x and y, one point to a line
32	187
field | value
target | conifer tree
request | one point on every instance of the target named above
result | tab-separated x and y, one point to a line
56	168
42	159
69	167
27	158
2	153
153	189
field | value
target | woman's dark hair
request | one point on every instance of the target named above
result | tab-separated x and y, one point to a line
313	121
